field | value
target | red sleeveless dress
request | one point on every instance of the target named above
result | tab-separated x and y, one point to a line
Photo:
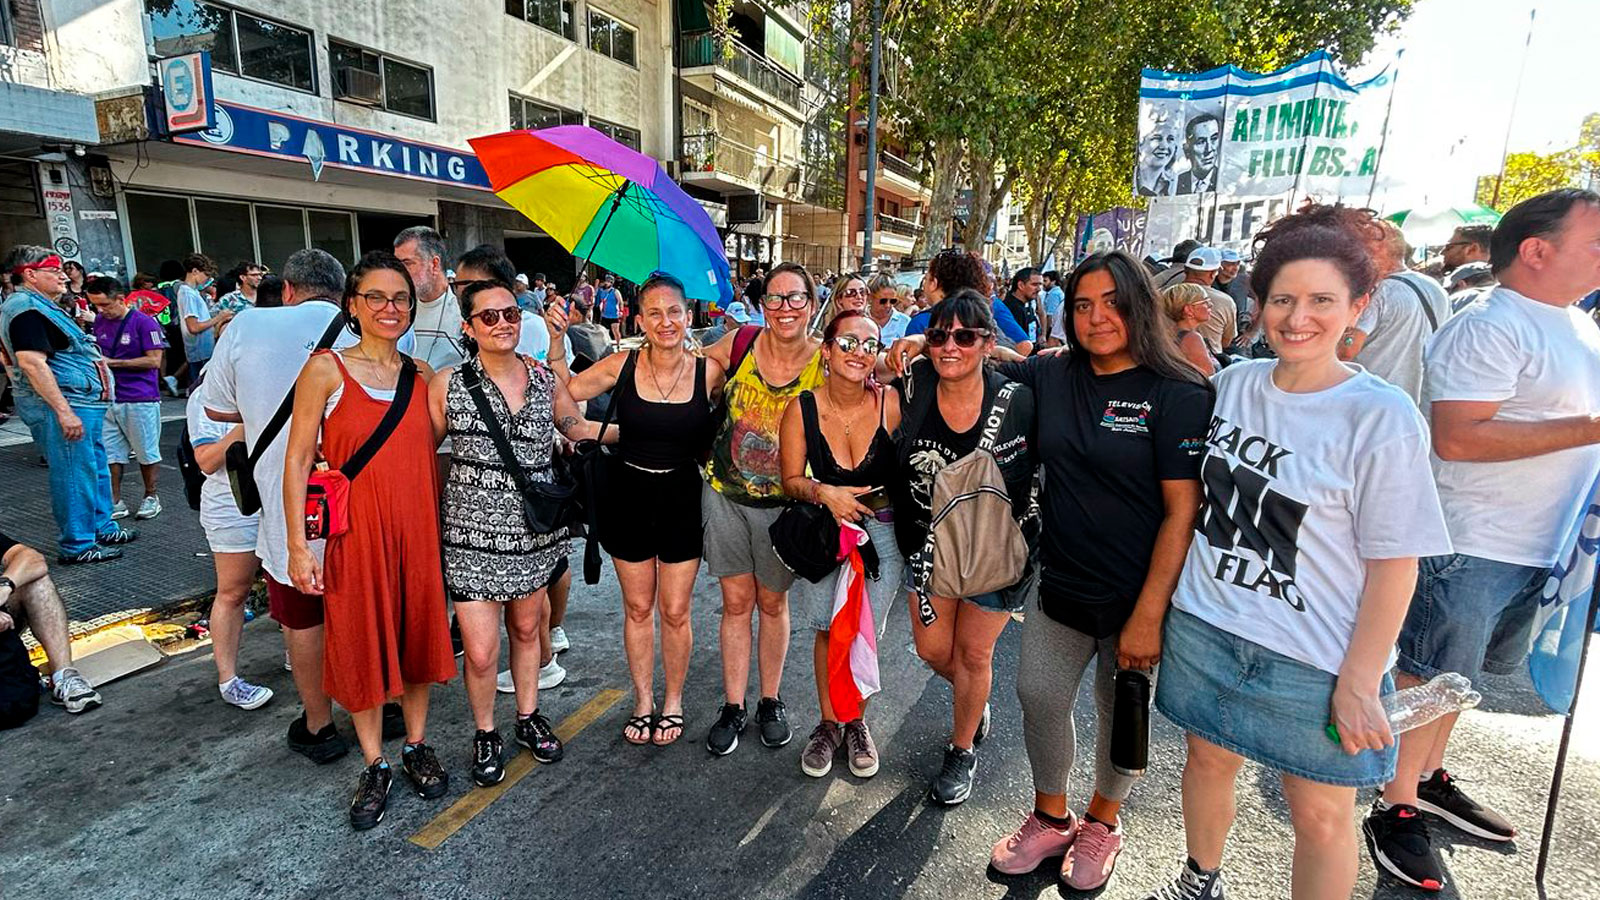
383	581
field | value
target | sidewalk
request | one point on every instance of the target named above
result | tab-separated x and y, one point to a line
168	564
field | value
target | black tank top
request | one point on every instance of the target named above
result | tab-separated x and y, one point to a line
663	436
877	467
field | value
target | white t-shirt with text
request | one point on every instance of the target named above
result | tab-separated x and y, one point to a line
1538	362
1301	490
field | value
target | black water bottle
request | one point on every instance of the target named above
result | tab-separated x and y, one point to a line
1130	723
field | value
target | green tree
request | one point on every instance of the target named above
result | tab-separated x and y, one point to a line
1529	174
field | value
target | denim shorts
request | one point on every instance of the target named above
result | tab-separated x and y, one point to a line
884	594
133	430
1470	615
1259	704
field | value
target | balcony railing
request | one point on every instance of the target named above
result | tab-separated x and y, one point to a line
892	225
904	168
712	152
746	64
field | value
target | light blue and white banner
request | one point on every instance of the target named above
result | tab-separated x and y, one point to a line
1564	610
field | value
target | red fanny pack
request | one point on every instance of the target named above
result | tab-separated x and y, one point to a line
327	510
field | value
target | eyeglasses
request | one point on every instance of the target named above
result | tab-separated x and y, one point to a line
853	292
377	300
849	343
793	300
964	337
492	317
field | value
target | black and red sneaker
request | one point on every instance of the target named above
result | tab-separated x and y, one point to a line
1441	796
1398	839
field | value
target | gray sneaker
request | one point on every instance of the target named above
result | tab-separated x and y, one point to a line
119	510
73	692
149	508
816	759
244	695
860	750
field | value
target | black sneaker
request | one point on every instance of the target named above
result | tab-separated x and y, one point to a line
372	796
773	720
724	736
93	554
321	748
1441	796
535	733
983	727
428	778
954	783
1398	840
1191	884
488	758
394	722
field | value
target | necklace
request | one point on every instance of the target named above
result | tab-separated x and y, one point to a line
666	396
843	416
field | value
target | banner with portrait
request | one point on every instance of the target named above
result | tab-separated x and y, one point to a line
1301	130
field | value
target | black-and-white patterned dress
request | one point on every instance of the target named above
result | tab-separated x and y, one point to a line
489	554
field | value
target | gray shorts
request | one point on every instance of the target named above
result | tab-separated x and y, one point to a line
737	541
885	593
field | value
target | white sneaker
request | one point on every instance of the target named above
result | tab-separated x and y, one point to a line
149	508
72	691
243	694
558	640
504	684
551	675
119	510
287	665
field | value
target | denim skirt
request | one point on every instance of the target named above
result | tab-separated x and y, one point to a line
1259	704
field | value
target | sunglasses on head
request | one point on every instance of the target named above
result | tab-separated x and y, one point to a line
849	343
964	337
491	317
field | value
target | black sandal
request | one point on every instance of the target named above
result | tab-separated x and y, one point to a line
644	723
665	723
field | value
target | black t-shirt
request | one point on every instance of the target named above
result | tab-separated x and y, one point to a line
1021	310
6	543
1106	443
30	330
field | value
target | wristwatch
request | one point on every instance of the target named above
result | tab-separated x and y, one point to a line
12	589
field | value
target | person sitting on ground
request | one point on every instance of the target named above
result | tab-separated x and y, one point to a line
28	599
1188	306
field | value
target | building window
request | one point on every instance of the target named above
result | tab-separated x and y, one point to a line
240	43
551	15
167	226
611	37
627	137
529	113
373	79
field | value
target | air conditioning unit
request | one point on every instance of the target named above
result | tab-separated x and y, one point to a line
747	209
358	86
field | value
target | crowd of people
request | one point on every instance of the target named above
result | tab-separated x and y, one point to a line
1275	493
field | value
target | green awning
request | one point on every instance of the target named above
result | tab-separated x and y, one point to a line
692	17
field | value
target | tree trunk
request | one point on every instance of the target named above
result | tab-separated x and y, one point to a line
987	197
942	204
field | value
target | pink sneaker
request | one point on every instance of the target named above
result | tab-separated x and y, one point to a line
1031	844
1092	856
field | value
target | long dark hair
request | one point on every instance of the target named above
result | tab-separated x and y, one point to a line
1150	342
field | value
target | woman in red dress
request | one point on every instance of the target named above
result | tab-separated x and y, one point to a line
382	579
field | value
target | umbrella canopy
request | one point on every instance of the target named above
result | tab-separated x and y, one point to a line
607	203
1432	227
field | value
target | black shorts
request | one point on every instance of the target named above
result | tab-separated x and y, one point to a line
652	515
608	322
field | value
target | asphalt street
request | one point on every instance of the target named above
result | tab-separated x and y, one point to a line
166	792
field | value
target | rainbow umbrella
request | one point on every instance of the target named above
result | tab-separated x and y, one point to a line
607	203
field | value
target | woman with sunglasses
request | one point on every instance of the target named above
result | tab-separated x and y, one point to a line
947	398
849	293
650	520
1121	449
1187	306
496	569
385	629
884	307
767	368
836	451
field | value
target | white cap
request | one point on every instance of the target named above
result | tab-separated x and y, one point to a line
737	312
521	278
1204	259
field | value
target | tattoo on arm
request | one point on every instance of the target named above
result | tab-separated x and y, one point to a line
566	423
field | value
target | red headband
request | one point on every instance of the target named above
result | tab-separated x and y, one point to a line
49	262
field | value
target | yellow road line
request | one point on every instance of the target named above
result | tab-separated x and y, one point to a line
478	799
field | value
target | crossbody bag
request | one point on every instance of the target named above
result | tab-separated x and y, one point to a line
546	506
328	490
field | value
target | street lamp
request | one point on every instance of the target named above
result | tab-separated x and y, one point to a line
871	212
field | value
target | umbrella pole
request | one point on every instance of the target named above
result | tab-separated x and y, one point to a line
616	201
1566	740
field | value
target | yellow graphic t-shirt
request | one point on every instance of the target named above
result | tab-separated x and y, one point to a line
744	457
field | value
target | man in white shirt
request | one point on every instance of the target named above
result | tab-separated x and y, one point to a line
1405	310
437	322
1512	387
253	370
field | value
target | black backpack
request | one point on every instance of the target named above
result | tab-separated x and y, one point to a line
189	468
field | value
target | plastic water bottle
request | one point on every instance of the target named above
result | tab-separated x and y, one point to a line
1449	692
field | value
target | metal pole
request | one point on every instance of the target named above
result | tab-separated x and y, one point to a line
1566	740
1511	117
1383	141
616	201
870	214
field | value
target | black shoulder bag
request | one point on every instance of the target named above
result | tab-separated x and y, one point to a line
592	462
241	461
546	506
